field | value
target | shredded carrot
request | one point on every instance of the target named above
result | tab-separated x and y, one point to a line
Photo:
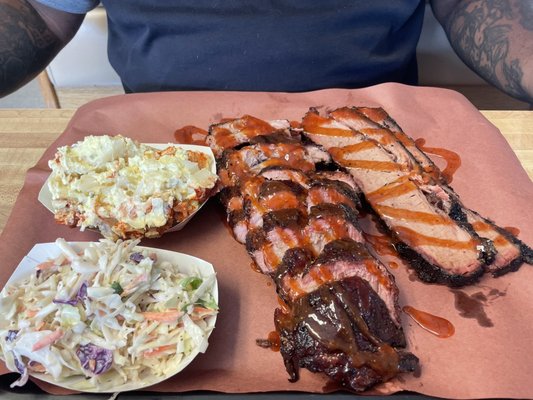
158	350
45	265
164	316
31	313
48	340
200	312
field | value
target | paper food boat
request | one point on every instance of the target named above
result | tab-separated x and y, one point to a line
187	264
45	197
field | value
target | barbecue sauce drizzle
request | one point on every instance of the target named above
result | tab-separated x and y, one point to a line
512	230
314	124
190	134
453	160
336	333
499	240
438	326
382	245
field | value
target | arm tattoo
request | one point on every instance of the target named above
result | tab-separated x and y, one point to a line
526	14
480	32
26	44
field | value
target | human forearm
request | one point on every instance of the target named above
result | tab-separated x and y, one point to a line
31	34
495	38
26	44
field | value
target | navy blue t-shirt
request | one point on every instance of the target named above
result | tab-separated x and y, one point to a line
265	45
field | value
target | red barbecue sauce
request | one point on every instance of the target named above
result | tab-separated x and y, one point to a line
191	135
438	326
275	341
453	160
512	230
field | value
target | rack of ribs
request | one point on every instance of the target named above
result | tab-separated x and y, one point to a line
300	226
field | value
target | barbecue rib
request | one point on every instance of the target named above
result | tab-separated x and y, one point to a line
443	241
300	227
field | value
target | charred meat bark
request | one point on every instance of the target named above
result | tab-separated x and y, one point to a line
509	251
231	133
344	330
300	227
440	249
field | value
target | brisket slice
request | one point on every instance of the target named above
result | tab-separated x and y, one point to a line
440	249
510	252
300	227
383	119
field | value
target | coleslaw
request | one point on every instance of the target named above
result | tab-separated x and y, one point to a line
105	316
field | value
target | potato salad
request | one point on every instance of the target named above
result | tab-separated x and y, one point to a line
126	189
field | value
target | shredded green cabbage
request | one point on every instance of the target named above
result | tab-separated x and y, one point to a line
113	296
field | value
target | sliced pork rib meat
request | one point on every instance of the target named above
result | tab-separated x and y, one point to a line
280	173
247	129
341	259
300	227
328	222
235	165
232	200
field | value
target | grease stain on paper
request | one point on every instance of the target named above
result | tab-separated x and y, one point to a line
474	305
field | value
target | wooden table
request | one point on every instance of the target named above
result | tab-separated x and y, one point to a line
25	134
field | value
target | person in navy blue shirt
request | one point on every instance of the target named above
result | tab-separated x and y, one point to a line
282	45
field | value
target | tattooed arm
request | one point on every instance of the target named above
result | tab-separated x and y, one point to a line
493	37
30	36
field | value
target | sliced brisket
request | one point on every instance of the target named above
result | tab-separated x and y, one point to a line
441	249
509	251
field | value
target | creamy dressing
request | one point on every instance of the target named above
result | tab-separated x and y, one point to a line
107	178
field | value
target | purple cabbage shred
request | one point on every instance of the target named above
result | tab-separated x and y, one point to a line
21	368
71	302
11	335
136	257
82	292
80	296
94	359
